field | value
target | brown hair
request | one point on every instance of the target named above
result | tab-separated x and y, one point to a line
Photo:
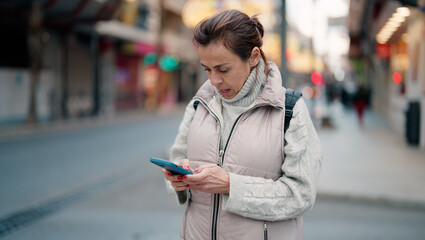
237	31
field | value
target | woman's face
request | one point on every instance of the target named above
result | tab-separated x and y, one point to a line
226	70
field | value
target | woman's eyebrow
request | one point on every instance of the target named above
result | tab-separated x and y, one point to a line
216	66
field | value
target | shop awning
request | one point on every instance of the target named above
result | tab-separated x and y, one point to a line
117	29
61	13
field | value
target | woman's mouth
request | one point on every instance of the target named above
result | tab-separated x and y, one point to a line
225	92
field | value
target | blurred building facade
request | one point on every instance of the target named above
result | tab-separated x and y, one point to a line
387	53
97	57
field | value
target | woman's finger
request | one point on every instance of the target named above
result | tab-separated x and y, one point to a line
201	168
168	175
185	163
179	186
165	172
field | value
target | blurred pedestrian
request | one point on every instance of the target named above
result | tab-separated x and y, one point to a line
251	181
360	103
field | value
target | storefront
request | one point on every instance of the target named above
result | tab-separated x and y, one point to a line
406	78
415	87
48	65
141	80
152	61
388	38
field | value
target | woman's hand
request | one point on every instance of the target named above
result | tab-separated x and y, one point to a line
176	180
209	178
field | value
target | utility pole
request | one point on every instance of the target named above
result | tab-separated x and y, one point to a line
36	43
159	42
94	48
283	68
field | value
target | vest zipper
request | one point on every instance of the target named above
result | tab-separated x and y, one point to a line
265	231
220	158
215	216
216	201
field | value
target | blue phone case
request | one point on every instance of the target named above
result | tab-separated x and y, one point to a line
175	169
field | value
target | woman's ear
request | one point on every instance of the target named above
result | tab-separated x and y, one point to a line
255	57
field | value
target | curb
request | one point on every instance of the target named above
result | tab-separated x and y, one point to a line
9	133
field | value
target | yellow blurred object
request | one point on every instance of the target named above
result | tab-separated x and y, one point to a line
319	64
195	11
129	12
302	62
392	25
399	59
272	47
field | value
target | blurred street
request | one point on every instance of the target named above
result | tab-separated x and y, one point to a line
116	194
103	170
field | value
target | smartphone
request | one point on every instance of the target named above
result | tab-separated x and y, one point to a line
175	169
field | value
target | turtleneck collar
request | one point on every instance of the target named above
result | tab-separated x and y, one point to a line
250	90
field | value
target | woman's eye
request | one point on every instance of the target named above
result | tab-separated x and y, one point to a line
224	71
207	70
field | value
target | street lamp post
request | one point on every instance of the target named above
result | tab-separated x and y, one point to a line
283	68
36	44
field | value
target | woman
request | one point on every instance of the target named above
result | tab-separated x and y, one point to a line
248	184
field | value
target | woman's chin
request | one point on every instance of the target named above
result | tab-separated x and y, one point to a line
228	96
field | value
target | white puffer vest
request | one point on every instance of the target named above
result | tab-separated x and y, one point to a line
254	148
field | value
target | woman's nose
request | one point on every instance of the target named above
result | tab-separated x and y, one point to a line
215	79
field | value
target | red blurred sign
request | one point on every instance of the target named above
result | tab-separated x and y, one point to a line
316	78
397	78
383	51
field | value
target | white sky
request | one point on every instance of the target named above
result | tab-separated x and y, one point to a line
311	18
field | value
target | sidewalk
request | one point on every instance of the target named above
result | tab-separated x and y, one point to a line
370	163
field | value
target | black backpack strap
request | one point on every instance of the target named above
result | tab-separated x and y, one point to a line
291	97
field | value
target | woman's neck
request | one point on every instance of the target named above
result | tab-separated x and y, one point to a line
250	90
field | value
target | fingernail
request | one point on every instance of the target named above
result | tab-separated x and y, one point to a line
197	170
179	178
187	167
184	177
187	185
169	174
